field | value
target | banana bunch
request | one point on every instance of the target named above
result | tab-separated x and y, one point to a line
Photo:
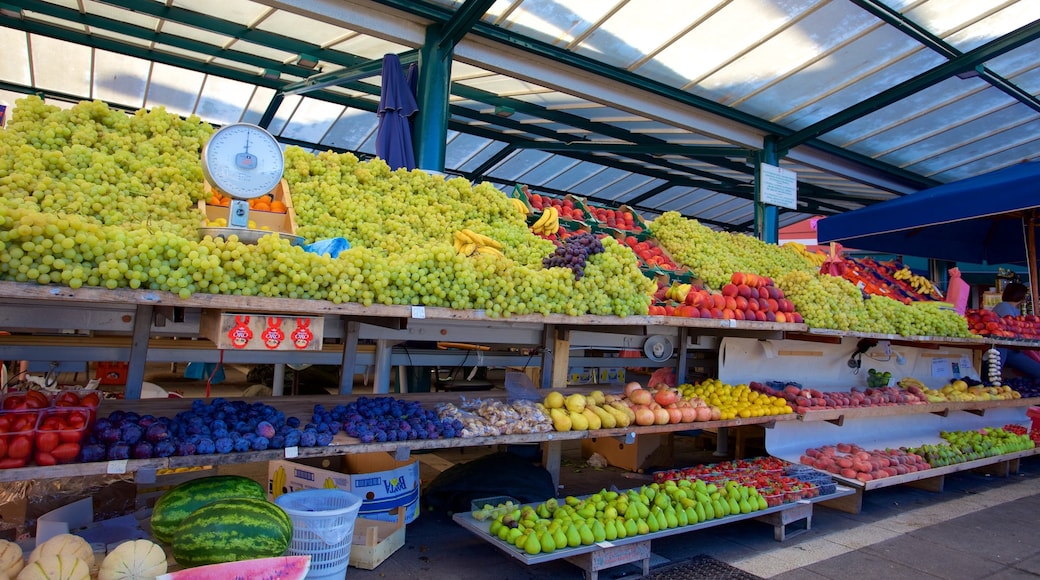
548	223
520	206
677	292
468	243
329	484
920	284
278	483
815	258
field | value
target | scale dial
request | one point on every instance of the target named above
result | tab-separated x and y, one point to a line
243	161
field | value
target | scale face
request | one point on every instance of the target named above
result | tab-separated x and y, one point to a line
243	161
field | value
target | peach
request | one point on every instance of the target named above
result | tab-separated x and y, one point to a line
719	301
729	290
737	278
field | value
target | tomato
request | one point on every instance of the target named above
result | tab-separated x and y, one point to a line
14	402
90	400
46	441
23	422
75	420
5	423
10	462
52	423
19	447
45	459
68	436
66	452
67	399
36	400
3	447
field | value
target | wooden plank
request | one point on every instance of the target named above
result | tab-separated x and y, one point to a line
935	484
850	503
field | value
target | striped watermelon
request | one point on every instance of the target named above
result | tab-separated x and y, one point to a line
230	530
181	501
279	568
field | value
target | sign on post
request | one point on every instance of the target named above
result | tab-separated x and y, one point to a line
778	186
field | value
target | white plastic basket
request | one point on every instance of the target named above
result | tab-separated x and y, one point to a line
323	528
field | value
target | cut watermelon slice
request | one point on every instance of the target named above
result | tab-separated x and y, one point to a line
279	568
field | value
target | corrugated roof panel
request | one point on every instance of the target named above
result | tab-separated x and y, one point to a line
263	51
241	11
311	120
968	25
61	66
636	31
223	101
352	129
473	152
175	88
14	66
196	33
556	22
627	186
112	12
120	79
368	47
284	112
551	168
302	28
258	103
593	186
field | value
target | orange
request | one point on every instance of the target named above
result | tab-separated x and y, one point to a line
278	206
262	206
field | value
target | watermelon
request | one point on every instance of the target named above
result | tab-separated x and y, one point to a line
230	530
179	502
280	568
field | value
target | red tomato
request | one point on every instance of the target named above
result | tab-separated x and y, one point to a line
19	447
5	423
90	400
52	423
10	462
69	436
67	399
75	420
45	459
46	441
66	452
36	400
3	447
23	422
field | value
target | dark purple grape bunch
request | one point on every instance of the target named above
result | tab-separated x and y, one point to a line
574	252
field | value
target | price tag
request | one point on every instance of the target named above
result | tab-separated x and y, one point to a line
940	368
605	544
116	466
418	312
292	452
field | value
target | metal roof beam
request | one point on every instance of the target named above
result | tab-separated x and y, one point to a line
529	45
648	148
965	62
921	34
110	25
494	160
335	78
462	22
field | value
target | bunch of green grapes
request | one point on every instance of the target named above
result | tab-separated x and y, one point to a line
715	256
824	301
109	167
94	197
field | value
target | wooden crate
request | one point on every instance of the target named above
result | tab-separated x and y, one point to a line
276	222
375	541
259	331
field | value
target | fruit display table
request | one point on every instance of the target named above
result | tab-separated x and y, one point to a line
607	554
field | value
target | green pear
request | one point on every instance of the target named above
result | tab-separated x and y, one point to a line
585	532
599	533
671	517
699	511
642	527
573	537
610	513
521	539
513	535
560	537
533	545
651	522
503	532
610	531
682	518
762	504
734	506
622	531
644	510
745	507
632	527
495	526
548	543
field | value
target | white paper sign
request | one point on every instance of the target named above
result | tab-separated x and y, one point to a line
418	312
778	186
940	368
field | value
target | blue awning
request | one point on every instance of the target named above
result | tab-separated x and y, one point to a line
980	220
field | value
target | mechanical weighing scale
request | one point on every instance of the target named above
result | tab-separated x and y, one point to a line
242	161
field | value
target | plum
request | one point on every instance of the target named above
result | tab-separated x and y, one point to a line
93	452
265	430
157	432
118	451
131	433
164	448
224	445
141	450
205	446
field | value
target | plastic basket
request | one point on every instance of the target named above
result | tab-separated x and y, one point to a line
323	528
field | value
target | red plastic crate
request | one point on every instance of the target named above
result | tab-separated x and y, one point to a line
112	373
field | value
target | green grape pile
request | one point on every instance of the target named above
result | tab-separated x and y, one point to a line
715	256
94	197
834	302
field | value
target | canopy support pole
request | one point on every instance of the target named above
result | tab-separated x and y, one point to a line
767	217
1030	221
431	126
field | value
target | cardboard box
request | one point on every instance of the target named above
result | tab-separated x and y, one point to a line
647	451
382	483
609	375
375	541
581	376
274	221
257	331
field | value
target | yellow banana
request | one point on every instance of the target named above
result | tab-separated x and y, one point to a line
329	484
278	482
468	249
488	250
482	240
520	206
542	219
463	237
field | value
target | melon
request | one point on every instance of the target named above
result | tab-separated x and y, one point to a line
55	567
179	502
231	530
64	545
134	560
279	568
11	559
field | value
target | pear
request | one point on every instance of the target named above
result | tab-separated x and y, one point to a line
554	400
585	532
575	403
622	529
513	535
533	545
610	531
597	397
651	523
548	543
560	537
699	512
599	533
642	527
592	418
632	526
578	421
762	504
709	510
503	533
620	418
672	518
734	505
682	518
561	421
607	420
745	507
573	537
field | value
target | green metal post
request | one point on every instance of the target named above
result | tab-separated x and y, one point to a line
431	122
767	218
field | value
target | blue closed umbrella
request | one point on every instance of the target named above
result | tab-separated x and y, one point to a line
396	106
